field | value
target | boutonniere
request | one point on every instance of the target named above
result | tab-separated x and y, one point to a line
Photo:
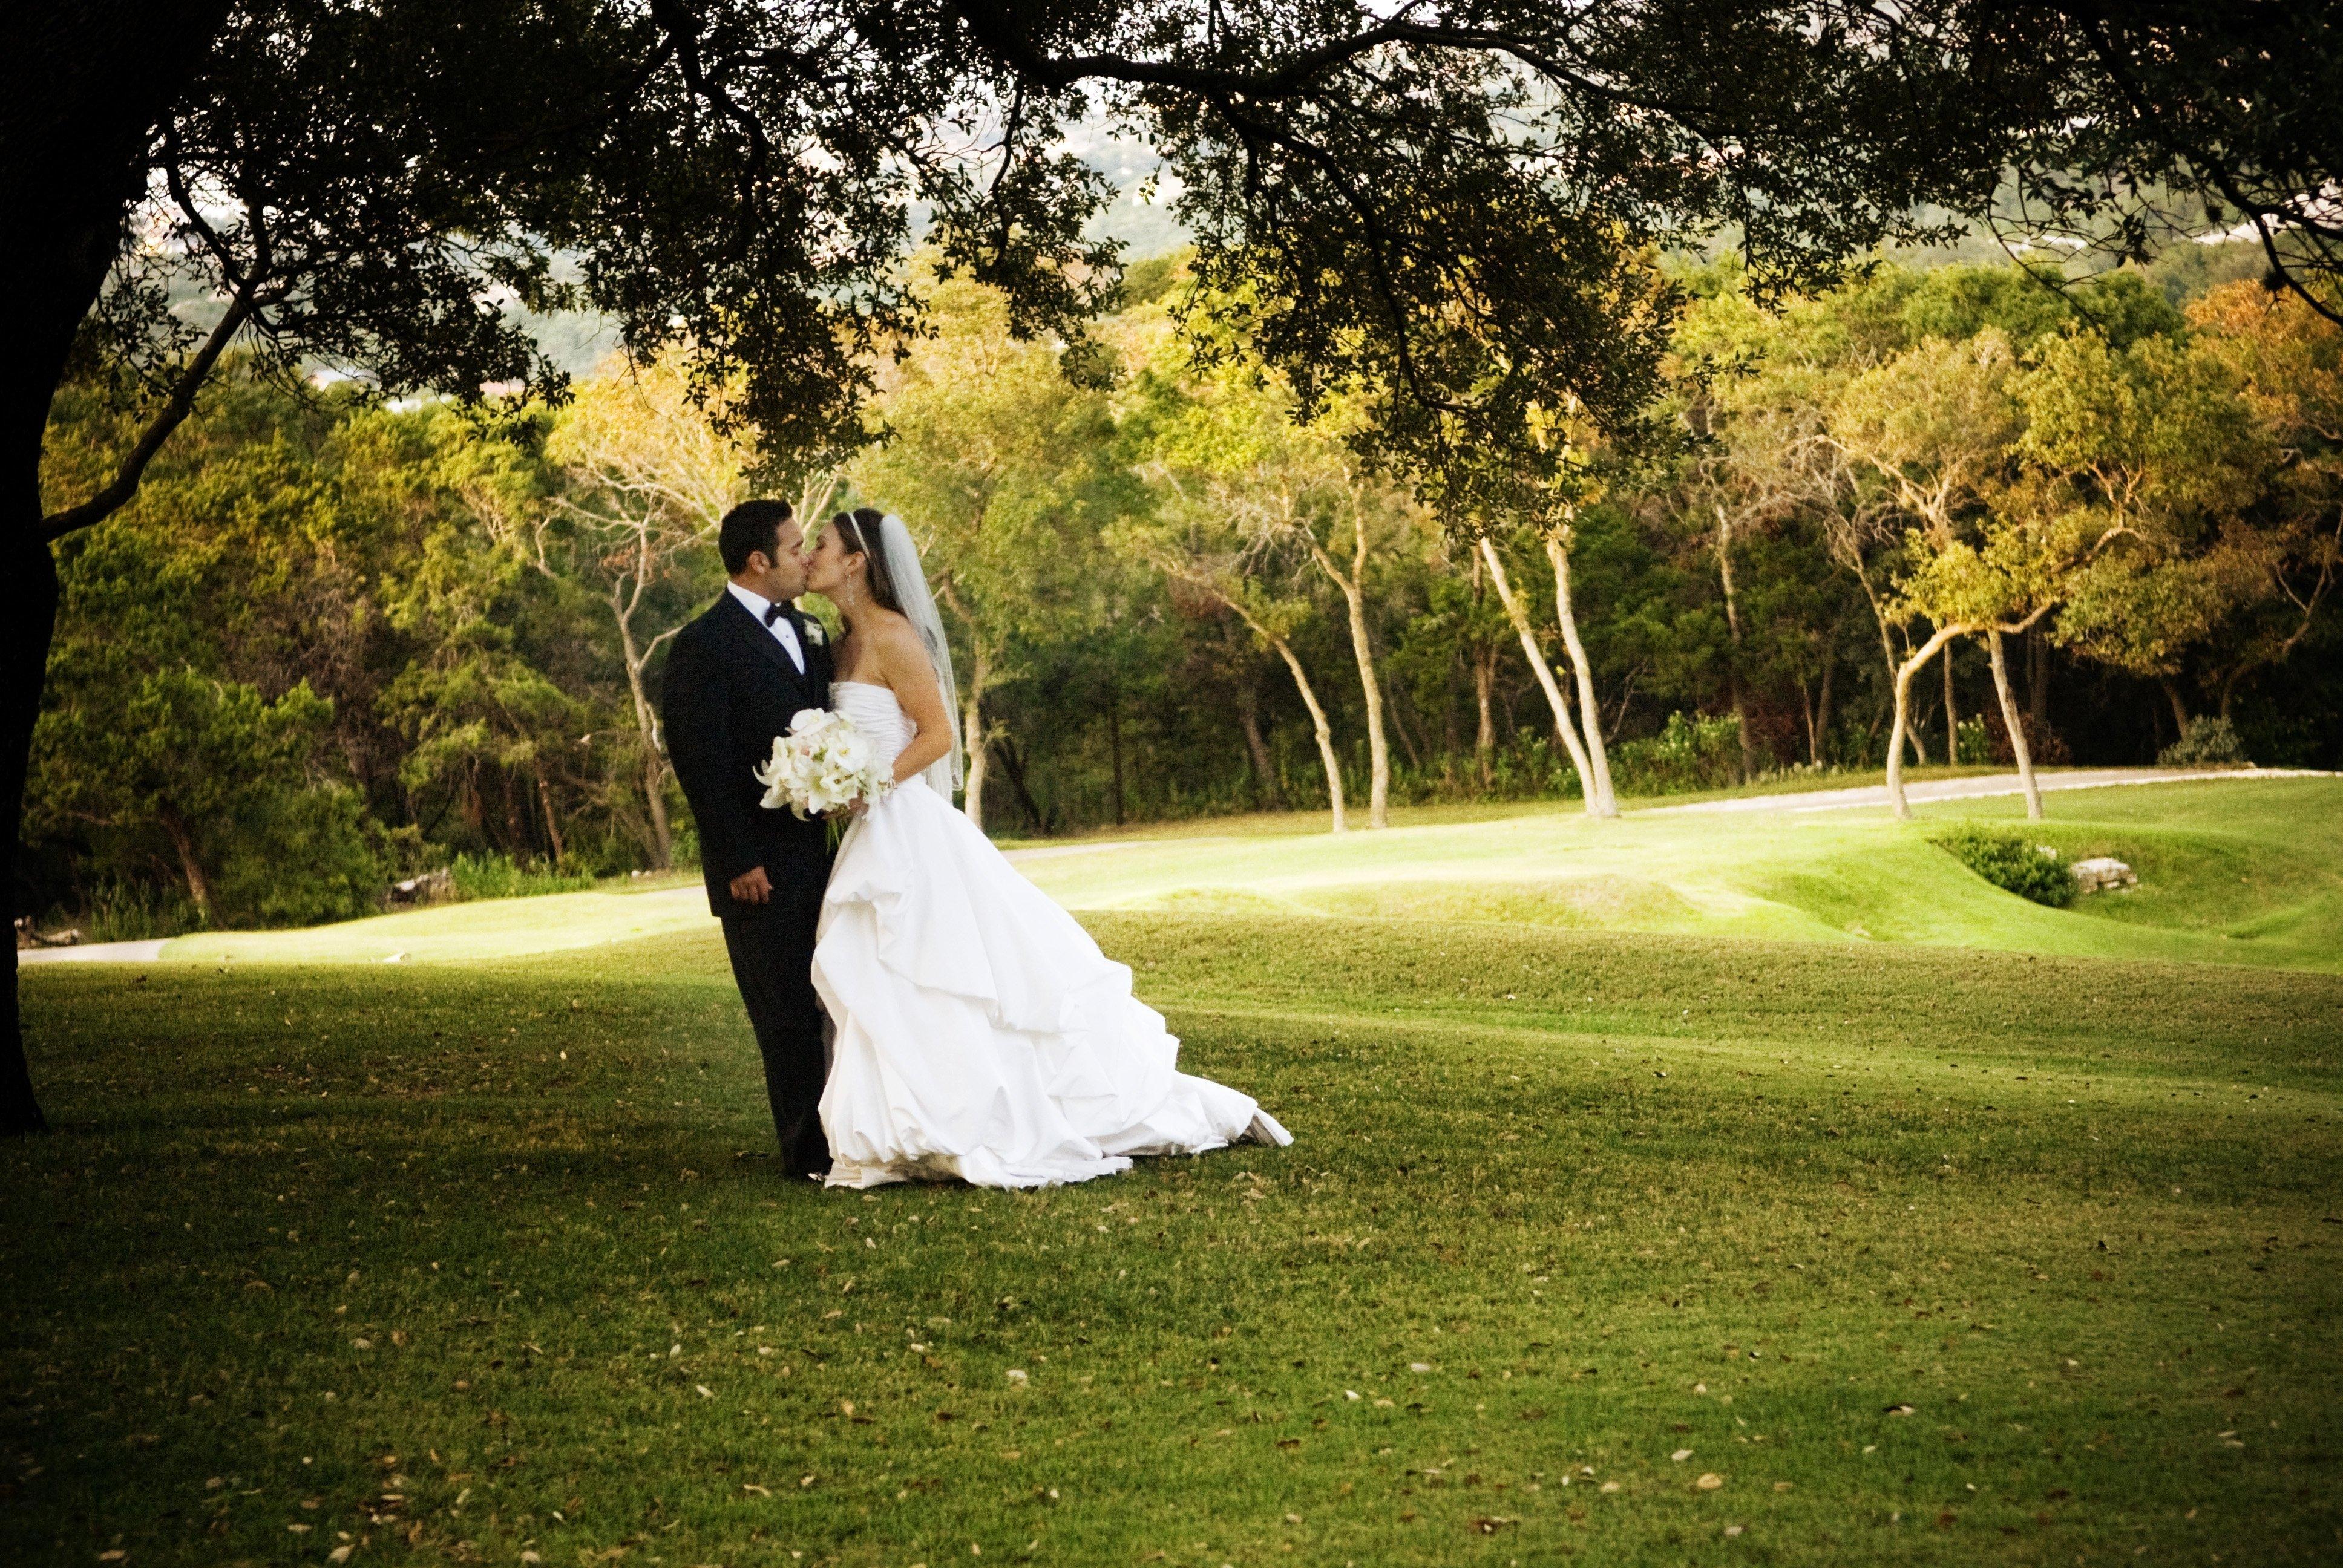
814	634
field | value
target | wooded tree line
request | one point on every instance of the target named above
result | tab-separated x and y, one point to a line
330	643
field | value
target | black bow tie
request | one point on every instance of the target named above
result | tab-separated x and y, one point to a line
774	612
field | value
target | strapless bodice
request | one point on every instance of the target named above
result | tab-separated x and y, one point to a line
877	715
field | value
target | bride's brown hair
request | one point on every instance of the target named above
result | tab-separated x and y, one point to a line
858	532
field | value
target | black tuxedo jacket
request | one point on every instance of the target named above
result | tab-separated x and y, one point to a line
729	689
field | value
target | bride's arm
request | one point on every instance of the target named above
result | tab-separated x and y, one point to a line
904	662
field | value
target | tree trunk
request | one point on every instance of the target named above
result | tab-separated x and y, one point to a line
1485	740
2180	704
1324	730
1378	744
1952	713
1733	629
973	737
647	726
191	865
1114	746
1519	616
1013	767
552	822
1590	714
1821	729
1264	767
2009	716
84	84
1408	729
1904	674
655	797
2037	681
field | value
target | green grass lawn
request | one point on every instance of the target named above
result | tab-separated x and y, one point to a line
1913	1252
2232	872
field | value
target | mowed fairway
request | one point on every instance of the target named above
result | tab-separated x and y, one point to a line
1635	1247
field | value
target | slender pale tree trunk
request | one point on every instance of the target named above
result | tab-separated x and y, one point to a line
973	740
647	725
1904	674
1485	740
1590	714
972	737
1353	584
1887	653
1325	732
1732	630
2015	722
1519	615
191	864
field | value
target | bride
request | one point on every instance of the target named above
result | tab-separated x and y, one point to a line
978	1032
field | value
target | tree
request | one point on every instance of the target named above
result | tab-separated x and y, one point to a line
1517	611
646	479
2287	362
1937	428
1240	482
2153	446
1004	470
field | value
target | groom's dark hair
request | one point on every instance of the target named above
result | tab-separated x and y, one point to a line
751	526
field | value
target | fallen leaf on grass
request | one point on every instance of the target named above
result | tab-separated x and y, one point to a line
1681	1454
1709	1481
1899	1410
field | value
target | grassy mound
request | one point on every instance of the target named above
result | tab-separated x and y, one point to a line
1658	1249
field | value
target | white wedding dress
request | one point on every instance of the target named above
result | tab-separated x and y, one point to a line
978	1033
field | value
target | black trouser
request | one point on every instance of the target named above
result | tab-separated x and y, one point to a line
772	961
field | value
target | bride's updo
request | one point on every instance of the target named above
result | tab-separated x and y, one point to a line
858	532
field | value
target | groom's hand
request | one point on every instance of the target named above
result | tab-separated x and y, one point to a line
752	887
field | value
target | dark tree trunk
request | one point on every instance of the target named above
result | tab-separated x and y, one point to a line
1822	705
1012	766
191	864
552	822
2038	683
80	87
1264	767
2179	706
1115	744
1952	713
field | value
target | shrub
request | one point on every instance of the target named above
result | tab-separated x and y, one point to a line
1692	753
2010	863
2207	743
497	876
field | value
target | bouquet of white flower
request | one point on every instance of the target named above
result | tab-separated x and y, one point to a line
821	766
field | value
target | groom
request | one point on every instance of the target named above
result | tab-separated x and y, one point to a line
735	678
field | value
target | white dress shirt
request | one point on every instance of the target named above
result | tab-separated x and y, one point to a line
783	631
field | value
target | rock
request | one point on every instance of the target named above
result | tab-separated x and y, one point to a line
428	889
2103	873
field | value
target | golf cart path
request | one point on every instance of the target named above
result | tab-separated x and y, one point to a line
1979	788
